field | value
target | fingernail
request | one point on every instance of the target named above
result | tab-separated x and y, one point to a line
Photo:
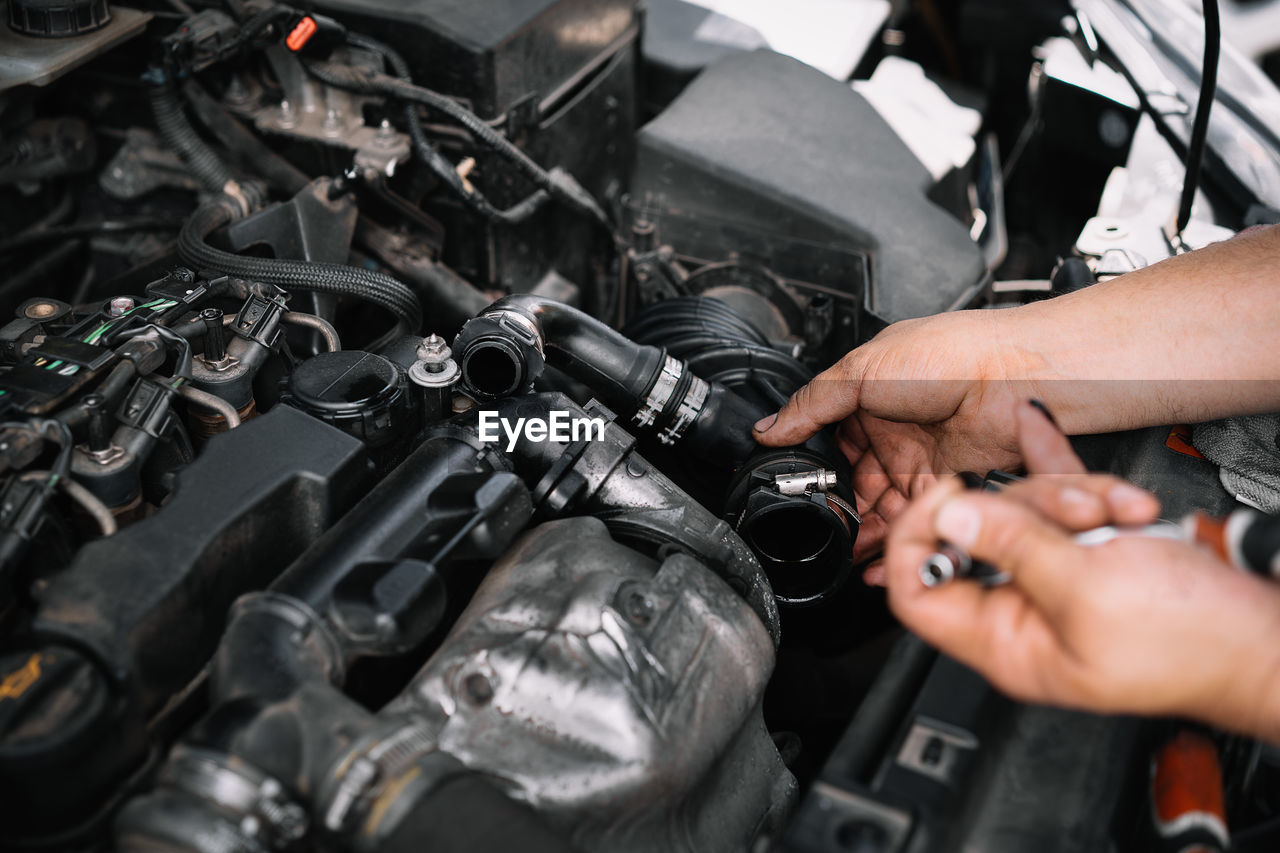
764	424
1078	498
1127	495
1044	410
958	522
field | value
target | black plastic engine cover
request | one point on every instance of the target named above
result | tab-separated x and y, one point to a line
764	141
494	53
558	77
132	621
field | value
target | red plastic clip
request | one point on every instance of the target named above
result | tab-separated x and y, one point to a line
302	33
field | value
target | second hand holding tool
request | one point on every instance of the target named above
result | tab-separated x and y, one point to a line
1246	539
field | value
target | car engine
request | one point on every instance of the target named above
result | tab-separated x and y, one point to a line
376	468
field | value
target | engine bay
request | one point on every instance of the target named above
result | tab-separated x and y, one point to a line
376	459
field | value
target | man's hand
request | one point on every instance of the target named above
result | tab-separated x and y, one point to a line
924	399
1135	625
930	397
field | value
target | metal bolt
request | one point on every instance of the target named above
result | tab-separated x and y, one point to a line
385	135
288	118
435	352
332	126
119	306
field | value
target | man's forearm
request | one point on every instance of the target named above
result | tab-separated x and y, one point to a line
1189	339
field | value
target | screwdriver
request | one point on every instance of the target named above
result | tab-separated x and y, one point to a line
1246	539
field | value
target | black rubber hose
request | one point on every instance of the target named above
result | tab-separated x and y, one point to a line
587	350
205	163
804	541
249	151
433	159
453	299
303	276
1200	127
557	183
718	343
672	319
499	356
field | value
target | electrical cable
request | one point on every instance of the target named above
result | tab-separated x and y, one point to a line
557	182
246	148
1200	128
440	166
185	358
206	164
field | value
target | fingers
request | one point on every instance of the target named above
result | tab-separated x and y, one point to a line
997	631
911	538
1086	501
1015	538
1045	449
1060	488
871	536
829	397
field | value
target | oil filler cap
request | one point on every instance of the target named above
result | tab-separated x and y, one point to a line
58	18
360	393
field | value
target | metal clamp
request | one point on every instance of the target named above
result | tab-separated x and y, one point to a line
796	485
376	761
266	814
690	407
521	326
661	393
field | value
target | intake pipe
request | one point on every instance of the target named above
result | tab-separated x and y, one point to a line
793	507
502	351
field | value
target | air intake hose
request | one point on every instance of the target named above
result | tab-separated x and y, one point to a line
506	348
793	506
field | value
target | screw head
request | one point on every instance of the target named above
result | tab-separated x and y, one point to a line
41	310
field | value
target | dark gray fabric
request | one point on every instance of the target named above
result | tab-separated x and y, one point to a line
1246	449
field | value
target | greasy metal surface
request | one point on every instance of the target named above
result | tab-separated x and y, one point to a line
314	112
619	697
